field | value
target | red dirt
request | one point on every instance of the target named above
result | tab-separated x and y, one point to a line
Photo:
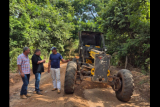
141	95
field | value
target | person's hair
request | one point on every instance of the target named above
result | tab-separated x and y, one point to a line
25	48
37	50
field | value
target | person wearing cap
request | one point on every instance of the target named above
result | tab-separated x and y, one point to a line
54	64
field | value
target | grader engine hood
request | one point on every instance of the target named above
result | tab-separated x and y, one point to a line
101	65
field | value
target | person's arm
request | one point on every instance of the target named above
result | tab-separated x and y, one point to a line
63	59
49	64
35	60
40	61
19	61
19	68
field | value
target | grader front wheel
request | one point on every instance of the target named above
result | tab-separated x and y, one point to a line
125	92
70	77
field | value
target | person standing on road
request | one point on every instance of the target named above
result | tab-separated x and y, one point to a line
37	67
54	64
24	71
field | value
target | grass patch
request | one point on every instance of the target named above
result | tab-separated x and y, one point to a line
144	72
14	71
143	81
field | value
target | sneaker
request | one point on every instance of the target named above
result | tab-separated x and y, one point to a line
59	91
28	95
23	97
36	91
39	93
54	89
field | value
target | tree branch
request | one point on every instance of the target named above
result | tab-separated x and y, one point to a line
92	14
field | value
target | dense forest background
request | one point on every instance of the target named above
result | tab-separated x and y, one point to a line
46	23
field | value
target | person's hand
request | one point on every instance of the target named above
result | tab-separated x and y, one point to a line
22	74
44	61
68	60
48	70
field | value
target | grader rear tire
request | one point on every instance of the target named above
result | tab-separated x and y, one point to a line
126	91
70	77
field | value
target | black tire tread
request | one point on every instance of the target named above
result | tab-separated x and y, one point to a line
70	77
71	65
127	86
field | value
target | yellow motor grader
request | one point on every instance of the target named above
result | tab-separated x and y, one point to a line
93	62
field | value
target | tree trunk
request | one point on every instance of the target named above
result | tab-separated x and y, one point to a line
70	53
126	62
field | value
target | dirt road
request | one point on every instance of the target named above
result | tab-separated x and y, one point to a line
87	94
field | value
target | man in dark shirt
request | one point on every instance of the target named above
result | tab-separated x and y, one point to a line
54	64
37	66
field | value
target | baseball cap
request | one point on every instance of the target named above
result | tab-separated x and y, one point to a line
53	48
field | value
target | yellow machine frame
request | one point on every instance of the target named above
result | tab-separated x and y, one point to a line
92	54
89	61
92	72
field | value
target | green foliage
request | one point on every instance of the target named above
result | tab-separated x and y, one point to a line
46	23
38	26
143	81
127	25
13	60
114	60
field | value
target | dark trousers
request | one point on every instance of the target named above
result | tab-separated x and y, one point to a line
25	80
37	80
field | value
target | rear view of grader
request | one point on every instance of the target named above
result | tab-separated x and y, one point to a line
94	62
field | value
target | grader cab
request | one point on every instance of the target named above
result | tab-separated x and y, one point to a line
93	62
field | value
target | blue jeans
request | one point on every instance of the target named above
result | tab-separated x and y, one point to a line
37	80
25	80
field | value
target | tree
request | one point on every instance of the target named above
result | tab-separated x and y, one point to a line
127	24
38	26
46	23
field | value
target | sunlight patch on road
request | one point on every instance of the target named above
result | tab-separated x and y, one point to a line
60	98
44	98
